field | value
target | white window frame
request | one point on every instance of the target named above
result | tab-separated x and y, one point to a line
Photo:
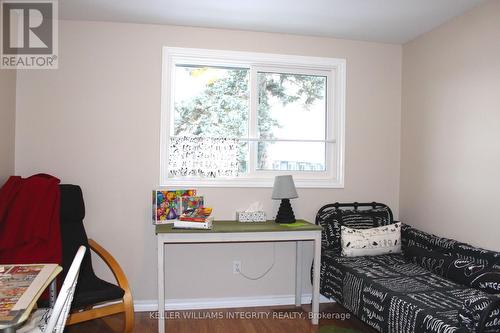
333	68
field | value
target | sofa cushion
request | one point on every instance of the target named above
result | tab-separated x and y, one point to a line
463	271
370	242
414	237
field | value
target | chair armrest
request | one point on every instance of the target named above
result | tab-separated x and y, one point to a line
480	314
115	269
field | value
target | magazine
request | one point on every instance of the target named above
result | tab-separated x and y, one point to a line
20	287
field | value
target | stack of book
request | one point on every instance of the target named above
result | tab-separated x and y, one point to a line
198	218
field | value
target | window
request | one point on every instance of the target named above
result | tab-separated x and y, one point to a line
239	119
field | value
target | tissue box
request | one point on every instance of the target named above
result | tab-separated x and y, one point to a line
257	216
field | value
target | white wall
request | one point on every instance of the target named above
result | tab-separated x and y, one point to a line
95	122
7	122
450	150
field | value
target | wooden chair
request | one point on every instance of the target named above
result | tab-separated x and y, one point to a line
91	290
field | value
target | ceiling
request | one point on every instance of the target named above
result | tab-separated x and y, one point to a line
390	21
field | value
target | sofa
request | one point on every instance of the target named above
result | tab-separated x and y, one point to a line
408	291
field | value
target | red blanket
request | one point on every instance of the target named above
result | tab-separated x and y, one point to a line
29	220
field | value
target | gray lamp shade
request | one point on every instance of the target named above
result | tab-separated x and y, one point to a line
284	188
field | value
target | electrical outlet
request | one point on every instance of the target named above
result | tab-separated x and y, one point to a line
236	266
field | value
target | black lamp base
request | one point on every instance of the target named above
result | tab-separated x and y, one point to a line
285	212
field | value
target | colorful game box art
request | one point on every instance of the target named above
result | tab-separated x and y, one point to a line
167	204
200	214
190	203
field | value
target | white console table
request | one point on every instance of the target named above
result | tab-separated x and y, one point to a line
232	232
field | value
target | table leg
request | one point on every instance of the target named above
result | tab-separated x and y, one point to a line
315	292
52	293
161	286
298	273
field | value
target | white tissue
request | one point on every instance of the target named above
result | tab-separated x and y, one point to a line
255	207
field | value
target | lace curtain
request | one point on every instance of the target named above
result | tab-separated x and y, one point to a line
203	157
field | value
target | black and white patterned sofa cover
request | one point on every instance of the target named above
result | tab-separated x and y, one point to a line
394	295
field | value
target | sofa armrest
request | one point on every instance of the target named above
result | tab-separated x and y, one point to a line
481	314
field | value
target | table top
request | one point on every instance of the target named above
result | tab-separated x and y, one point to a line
235	226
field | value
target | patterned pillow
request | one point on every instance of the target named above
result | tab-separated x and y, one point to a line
371	242
332	219
414	237
463	271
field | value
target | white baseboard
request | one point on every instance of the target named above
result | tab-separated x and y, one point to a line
225	302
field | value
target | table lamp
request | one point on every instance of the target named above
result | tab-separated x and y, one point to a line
284	189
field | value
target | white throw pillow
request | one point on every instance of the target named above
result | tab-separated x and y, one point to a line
371	242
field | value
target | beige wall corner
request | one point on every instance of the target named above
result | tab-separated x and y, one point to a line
7	122
450	147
